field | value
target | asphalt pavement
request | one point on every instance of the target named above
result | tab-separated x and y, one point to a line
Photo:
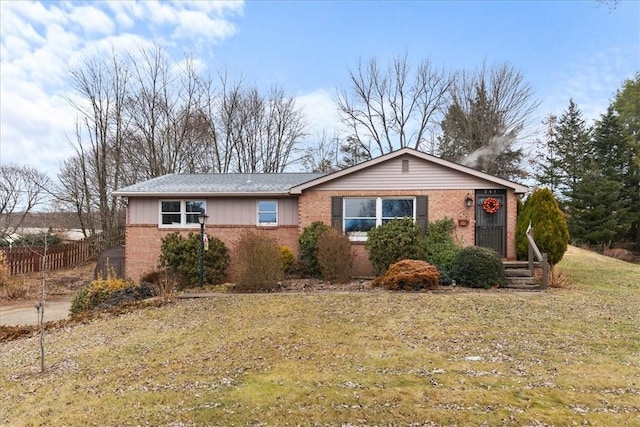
24	312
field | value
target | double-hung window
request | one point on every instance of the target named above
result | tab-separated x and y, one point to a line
181	213
361	214
267	212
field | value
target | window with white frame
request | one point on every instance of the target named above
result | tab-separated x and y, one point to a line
361	214
181	213
267	212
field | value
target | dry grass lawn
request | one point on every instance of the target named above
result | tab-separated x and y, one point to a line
559	357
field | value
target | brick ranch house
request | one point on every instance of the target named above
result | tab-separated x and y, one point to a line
402	183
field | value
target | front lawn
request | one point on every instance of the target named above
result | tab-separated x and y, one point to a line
557	357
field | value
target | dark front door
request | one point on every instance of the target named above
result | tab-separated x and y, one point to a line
491	220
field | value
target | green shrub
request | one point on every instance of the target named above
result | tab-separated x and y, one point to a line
97	292
309	248
287	259
334	256
439	243
257	264
182	255
550	230
409	275
478	268
394	241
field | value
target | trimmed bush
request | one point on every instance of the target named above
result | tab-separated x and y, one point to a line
334	256
409	275
550	230
182	255
129	294
439	243
98	292
478	267
309	247
257	264
394	241
287	259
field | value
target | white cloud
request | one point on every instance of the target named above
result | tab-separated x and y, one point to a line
198	25
92	20
321	113
41	41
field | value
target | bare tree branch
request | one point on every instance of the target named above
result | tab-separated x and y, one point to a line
394	108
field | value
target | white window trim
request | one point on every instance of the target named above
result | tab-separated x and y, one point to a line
183	213
266	224
378	212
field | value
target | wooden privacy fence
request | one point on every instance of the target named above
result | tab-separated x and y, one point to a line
30	259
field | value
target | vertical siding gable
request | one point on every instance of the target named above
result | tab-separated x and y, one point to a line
421	174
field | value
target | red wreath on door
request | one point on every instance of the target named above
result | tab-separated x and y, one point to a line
491	205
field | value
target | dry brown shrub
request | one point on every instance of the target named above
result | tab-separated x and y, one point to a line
619	253
258	265
334	256
12	287
166	283
409	275
4	269
557	278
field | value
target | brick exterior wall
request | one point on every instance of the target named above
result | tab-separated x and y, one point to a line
316	206
143	242
142	247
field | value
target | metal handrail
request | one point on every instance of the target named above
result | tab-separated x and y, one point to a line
542	258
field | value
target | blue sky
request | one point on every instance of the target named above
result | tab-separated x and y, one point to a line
574	49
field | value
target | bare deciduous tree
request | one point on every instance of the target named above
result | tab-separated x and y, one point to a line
102	89
322	157
163	105
140	115
75	194
22	188
250	132
388	109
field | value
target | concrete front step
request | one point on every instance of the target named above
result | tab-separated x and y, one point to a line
519	276
523	287
517	272
529	283
518	264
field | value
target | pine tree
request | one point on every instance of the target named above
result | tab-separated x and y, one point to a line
548	174
567	148
627	105
549	224
613	159
478	137
594	211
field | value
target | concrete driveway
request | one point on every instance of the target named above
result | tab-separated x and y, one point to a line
24	312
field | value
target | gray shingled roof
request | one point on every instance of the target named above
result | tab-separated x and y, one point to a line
233	183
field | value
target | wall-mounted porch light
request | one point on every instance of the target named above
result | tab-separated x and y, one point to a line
468	200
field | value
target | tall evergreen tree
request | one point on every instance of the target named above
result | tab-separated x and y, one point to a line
478	138
627	106
489	110
547	158
614	157
567	149
594	209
